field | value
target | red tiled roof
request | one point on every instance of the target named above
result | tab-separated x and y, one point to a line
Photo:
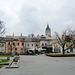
16	37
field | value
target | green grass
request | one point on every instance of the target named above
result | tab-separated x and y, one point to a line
1	66
6	56
4	60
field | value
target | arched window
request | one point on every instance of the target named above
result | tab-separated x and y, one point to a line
45	44
32	44
22	44
13	44
9	43
18	44
42	44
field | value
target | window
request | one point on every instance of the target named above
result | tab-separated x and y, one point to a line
9	51
32	44
22	44
42	44
37	45
15	40
15	49
9	43
22	51
13	44
28	44
45	44
18	44
2	45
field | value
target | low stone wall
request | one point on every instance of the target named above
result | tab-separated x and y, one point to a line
14	63
61	55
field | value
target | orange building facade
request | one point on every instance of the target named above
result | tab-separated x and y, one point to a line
15	44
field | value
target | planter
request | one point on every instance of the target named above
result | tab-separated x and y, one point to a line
66	55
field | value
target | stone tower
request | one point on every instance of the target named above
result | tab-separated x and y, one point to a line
48	31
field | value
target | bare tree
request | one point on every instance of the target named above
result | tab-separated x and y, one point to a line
68	36
2	28
71	36
61	40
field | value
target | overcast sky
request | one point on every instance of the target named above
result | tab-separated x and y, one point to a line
27	16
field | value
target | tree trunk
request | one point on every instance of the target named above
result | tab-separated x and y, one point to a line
63	50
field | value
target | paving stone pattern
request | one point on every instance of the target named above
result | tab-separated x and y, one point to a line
42	65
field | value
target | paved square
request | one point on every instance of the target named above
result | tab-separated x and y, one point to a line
42	65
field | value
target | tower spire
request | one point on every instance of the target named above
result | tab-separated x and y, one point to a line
48	30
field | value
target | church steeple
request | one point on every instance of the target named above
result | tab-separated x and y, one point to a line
48	31
47	28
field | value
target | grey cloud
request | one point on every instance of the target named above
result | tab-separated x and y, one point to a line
34	16
58	16
30	19
1	13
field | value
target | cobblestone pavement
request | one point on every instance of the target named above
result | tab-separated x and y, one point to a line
42	65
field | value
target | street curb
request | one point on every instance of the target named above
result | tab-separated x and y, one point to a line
60	55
